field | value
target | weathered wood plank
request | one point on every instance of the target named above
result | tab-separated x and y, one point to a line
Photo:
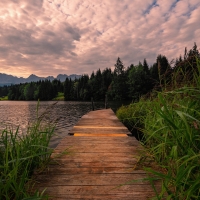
115	139
101	197
131	141
100	134
96	149
82	163
62	170
99	123
98	130
91	190
94	158
93	179
101	127
106	155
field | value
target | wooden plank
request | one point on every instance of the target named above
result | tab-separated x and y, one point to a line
99	143
96	149
101	127
100	135
93	158
63	190
82	163
68	138
101	197
107	155
71	140
93	179
62	170
97	130
99	123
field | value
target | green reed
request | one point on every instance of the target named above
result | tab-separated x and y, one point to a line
20	155
171	129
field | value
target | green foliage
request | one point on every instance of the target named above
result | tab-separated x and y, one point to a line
59	97
170	122
133	116
4	98
68	89
172	137
86	88
3	91
43	90
160	72
139	81
119	86
119	67
20	155
46	91
29	91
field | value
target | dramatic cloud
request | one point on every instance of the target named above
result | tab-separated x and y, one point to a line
49	37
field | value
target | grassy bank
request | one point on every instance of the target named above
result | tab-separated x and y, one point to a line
60	97
4	98
169	124
20	155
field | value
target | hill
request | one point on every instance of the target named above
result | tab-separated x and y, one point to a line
6	79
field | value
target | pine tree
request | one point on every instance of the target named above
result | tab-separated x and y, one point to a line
119	67
146	67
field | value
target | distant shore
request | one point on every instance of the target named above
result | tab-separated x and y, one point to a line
4	98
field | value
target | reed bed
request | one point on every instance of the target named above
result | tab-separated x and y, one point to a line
170	127
20	156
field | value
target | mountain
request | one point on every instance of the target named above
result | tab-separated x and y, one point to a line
33	78
9	79
62	77
6	79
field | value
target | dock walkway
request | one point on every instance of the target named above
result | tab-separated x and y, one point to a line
97	162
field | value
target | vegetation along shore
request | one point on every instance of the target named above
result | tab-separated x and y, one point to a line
21	155
168	123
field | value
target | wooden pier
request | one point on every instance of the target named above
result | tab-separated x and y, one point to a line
97	162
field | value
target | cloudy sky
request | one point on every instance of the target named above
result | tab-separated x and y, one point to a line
51	37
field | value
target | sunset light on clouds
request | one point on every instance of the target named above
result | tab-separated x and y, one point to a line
51	37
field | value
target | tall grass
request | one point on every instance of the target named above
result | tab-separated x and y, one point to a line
171	129
20	155
133	116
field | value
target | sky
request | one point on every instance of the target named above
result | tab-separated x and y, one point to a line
51	37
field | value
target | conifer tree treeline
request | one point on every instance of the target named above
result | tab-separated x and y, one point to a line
122	84
43	90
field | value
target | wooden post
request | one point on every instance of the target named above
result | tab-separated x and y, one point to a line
92	103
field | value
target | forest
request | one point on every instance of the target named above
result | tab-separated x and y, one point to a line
124	83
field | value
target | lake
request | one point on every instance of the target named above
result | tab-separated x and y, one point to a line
20	113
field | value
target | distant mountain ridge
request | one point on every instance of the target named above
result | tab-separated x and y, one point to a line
6	79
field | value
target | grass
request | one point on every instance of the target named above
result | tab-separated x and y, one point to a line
133	115
60	97
20	155
170	125
5	98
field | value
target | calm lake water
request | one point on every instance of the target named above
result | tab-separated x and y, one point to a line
20	113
